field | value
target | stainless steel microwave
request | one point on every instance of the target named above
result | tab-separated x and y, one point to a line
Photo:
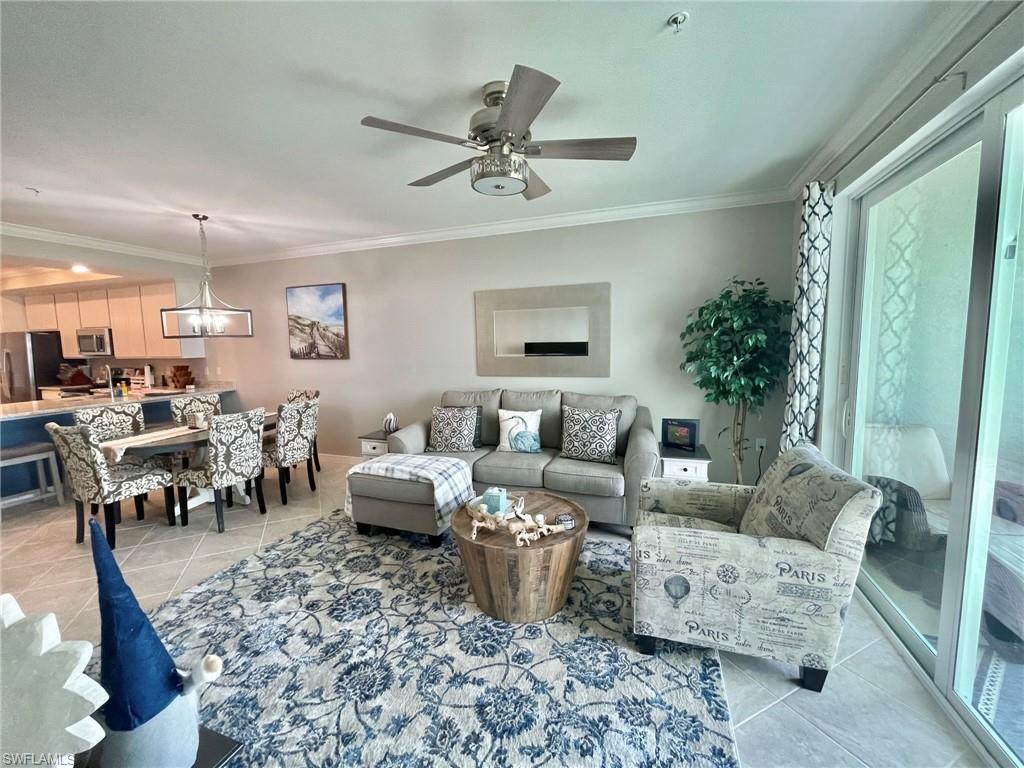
94	342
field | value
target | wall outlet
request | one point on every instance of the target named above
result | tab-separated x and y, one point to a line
760	444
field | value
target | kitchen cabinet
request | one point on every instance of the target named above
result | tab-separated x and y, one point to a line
93	309
68	322
132	312
129	337
40	312
154	298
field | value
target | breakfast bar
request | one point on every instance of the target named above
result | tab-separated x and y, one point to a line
24	423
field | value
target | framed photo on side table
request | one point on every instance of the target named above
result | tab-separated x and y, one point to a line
683	434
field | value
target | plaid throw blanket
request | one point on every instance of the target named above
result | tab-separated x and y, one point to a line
451	478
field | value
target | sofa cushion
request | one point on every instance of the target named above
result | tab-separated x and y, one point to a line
470	457
668	520
455	428
624	403
489	400
509	469
589	435
549	402
409	491
587	477
803	496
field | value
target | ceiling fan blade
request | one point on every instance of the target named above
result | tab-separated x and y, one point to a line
621	148
388	125
443	174
528	92
536	188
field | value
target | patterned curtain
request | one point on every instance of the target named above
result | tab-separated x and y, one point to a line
815	244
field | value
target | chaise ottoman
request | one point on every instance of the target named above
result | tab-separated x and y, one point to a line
411	493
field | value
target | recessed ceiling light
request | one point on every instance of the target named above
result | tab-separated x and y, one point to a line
79	268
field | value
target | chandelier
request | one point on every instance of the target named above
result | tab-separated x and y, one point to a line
205	315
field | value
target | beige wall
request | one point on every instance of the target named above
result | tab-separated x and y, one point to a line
411	317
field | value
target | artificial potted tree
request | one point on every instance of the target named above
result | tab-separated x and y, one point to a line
737	347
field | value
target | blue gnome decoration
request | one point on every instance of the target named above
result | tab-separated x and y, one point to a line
152	716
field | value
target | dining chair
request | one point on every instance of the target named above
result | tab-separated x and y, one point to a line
109	422
233	455
181	407
293	442
94	481
294	396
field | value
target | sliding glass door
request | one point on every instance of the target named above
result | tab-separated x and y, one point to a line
937	396
918	235
989	668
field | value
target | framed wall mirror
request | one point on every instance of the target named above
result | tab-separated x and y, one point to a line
560	330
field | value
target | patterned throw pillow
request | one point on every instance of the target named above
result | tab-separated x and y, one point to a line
455	429
520	431
589	435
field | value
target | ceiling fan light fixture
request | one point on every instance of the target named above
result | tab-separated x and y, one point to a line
499	175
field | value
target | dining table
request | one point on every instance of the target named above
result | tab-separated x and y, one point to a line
182	443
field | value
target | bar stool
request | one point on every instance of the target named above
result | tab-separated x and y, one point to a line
41	454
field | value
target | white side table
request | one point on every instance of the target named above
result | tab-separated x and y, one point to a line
373	444
685	465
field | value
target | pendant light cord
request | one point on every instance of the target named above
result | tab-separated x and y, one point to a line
202	246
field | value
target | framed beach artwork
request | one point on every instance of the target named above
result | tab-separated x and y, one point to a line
317	322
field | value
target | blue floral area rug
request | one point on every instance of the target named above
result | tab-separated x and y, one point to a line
343	649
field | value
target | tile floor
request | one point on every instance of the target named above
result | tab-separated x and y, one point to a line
45	570
873	711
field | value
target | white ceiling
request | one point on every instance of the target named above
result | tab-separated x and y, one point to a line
128	117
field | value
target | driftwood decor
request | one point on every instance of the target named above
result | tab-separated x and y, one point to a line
521	525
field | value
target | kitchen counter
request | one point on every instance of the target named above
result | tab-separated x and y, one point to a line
35	408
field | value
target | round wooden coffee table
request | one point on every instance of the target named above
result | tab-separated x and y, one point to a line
522	584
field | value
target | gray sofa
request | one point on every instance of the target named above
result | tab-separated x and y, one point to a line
609	493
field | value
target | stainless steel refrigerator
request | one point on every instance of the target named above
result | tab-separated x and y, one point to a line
28	361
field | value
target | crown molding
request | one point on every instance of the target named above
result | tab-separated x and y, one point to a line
94	243
919	56
531	224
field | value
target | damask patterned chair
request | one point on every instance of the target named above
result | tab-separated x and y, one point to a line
109	422
181	407
233	455
294	396
93	481
293	442
766	571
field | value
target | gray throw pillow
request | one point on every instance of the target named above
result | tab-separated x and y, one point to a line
455	429
489	400
625	403
589	435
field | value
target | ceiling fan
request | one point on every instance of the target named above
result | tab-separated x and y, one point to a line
501	130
